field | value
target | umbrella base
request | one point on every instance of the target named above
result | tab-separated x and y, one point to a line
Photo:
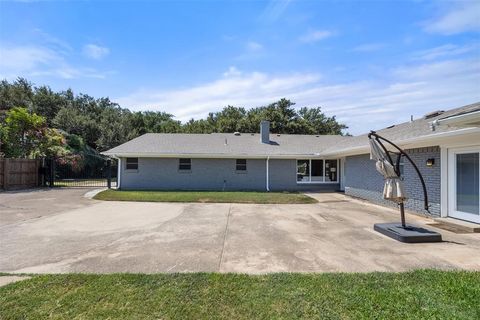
409	234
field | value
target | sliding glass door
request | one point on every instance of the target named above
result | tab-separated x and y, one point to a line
464	184
317	171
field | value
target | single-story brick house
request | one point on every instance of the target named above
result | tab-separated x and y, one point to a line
444	144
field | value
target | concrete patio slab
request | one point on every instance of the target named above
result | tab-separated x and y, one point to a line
335	234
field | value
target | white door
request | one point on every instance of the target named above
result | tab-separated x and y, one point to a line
463	184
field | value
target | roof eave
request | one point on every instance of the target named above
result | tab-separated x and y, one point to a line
210	155
471	119
423	141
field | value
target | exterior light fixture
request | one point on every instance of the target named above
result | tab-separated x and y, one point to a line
430	162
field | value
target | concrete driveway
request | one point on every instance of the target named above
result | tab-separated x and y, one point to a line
74	234
24	205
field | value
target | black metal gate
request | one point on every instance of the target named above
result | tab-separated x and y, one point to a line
81	170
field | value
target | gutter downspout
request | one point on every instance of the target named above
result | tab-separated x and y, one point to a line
267	181
119	170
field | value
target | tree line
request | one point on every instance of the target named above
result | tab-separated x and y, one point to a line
37	116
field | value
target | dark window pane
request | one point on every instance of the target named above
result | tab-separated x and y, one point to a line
132	164
185	164
241	165
317	170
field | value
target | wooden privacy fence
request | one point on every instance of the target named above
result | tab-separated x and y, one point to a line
19	173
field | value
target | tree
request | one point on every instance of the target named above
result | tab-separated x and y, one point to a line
230	119
51	144
103	124
317	123
25	135
158	122
17	94
21	132
113	129
47	103
198	126
73	121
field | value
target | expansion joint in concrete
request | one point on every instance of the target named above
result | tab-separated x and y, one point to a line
224	238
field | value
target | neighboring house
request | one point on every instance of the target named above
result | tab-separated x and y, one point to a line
444	145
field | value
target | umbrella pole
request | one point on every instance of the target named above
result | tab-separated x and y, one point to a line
402	214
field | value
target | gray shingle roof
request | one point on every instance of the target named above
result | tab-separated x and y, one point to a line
407	130
224	144
249	145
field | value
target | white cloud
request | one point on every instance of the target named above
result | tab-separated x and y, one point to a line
431	71
253	50
274	10
94	51
369	47
25	58
363	105
316	35
53	42
254	46
463	17
240	89
447	50
32	61
232	72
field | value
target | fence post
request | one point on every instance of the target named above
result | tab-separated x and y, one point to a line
109	173
52	173
43	173
37	172
6	175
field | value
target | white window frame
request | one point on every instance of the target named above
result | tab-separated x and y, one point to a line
310	171
452	184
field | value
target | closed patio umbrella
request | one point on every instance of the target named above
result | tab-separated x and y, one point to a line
393	189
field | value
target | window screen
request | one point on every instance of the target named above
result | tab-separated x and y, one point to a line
241	165
132	164
185	164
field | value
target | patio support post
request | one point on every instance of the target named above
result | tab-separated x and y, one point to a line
402	214
267	182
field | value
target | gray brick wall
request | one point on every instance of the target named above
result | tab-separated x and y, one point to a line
214	174
363	180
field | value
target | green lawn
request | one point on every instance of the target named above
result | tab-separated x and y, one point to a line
205	196
424	294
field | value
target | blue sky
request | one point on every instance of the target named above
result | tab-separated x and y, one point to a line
371	63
